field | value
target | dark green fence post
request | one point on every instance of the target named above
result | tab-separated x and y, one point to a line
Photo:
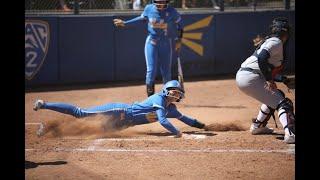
76	6
287	4
221	5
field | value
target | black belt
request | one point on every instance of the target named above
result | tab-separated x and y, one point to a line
250	70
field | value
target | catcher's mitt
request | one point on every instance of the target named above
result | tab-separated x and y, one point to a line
289	82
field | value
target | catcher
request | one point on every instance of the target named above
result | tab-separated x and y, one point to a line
257	76
157	107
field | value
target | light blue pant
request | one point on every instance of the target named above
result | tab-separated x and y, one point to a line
118	112
158	53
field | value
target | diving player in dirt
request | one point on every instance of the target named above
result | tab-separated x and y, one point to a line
156	108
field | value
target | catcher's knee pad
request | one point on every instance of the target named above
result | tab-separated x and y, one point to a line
282	93
286	107
268	112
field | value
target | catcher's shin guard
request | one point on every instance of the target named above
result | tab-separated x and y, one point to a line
150	89
259	125
264	116
286	116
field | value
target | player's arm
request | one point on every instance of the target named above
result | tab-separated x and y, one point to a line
136	20
264	65
122	23
174	113
266	69
269	70
166	124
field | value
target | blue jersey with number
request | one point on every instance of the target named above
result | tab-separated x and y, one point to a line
161	23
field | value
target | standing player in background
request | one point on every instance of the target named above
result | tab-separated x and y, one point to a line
164	23
256	78
157	107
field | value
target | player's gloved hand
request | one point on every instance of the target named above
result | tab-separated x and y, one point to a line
271	85
178	44
118	22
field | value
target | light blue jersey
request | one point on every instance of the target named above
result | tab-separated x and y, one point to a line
153	109
161	23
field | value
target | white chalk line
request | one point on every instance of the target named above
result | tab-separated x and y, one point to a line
118	139
170	150
32	123
95	143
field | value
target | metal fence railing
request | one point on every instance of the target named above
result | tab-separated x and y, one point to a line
76	6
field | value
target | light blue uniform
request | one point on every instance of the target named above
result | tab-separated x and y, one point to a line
151	110
162	29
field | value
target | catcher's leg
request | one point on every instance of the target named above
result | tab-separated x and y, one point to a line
287	119
259	125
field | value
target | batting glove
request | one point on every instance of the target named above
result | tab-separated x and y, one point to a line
118	22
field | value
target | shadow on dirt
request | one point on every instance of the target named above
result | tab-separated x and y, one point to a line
213	106
279	136
186	132
30	164
111	84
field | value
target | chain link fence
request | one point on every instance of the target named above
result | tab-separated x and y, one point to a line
76	6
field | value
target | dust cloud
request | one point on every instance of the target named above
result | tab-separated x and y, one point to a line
99	126
230	126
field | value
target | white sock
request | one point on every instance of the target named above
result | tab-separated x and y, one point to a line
262	115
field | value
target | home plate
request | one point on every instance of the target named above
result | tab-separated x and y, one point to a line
194	136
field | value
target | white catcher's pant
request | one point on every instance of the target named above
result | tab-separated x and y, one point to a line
253	84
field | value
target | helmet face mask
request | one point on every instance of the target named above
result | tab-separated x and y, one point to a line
161	4
280	27
172	89
176	94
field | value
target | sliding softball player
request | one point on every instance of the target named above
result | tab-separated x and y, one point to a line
156	108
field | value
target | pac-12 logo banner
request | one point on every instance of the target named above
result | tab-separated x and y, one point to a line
37	37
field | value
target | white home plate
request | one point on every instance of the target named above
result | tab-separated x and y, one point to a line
194	136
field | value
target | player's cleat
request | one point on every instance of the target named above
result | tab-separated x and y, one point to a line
150	90
38	104
41	130
289	139
260	130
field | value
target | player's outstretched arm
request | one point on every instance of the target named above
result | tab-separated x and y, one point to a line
122	23
166	124
192	122
118	22
174	113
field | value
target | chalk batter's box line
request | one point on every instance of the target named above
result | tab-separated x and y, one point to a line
97	142
286	151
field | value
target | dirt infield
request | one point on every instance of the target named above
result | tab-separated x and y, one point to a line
80	149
